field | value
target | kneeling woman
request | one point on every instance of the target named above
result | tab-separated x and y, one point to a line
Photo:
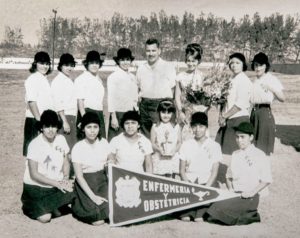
249	174
130	149
89	157
47	188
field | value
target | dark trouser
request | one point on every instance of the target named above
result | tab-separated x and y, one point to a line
149	115
101	118
264	128
114	132
31	130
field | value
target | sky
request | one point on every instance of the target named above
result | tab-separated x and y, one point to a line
27	13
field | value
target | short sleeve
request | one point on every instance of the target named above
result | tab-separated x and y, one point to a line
274	83
31	89
113	145
183	151
148	146
244	88
64	144
172	75
265	170
216	152
33	151
76	154
79	87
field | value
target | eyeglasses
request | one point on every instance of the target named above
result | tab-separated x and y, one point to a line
167	111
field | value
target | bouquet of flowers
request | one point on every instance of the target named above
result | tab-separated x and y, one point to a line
214	89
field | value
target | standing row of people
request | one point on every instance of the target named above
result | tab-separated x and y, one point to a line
169	151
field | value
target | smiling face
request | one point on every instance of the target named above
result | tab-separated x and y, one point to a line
243	140
165	116
260	69
91	132
236	66
191	63
67	69
49	133
131	128
152	53
125	64
42	67
93	67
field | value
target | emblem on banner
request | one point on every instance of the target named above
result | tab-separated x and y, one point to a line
127	192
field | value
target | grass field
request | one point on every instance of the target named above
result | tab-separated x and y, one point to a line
280	211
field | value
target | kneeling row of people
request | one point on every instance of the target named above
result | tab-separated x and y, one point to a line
48	189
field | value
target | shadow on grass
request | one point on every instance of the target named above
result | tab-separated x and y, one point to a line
289	135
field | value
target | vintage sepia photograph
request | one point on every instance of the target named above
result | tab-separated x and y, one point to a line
162	118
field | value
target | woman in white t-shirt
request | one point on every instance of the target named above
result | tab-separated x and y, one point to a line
65	103
89	89
37	96
266	88
131	150
47	188
89	157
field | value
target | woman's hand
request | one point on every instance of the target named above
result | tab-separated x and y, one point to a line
114	123
67	128
222	121
248	194
65	185
98	200
182	118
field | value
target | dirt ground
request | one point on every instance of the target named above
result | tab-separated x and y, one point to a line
279	211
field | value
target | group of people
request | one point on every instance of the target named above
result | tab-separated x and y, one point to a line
152	128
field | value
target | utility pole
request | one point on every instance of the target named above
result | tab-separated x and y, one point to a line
53	41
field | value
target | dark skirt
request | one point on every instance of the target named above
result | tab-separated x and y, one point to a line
111	131
101	118
234	211
226	134
149	115
83	208
72	136
31	130
263	122
38	201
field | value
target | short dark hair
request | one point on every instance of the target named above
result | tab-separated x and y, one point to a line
199	118
152	41
89	117
239	56
41	57
49	118
195	50
130	115
261	59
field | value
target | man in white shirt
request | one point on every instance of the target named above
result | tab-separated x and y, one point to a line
156	80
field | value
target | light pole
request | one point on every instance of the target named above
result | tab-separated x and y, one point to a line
53	42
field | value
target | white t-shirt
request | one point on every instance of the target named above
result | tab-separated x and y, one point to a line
92	157
156	81
248	168
239	95
38	89
131	155
200	158
63	91
90	88
122	91
49	156
260	94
